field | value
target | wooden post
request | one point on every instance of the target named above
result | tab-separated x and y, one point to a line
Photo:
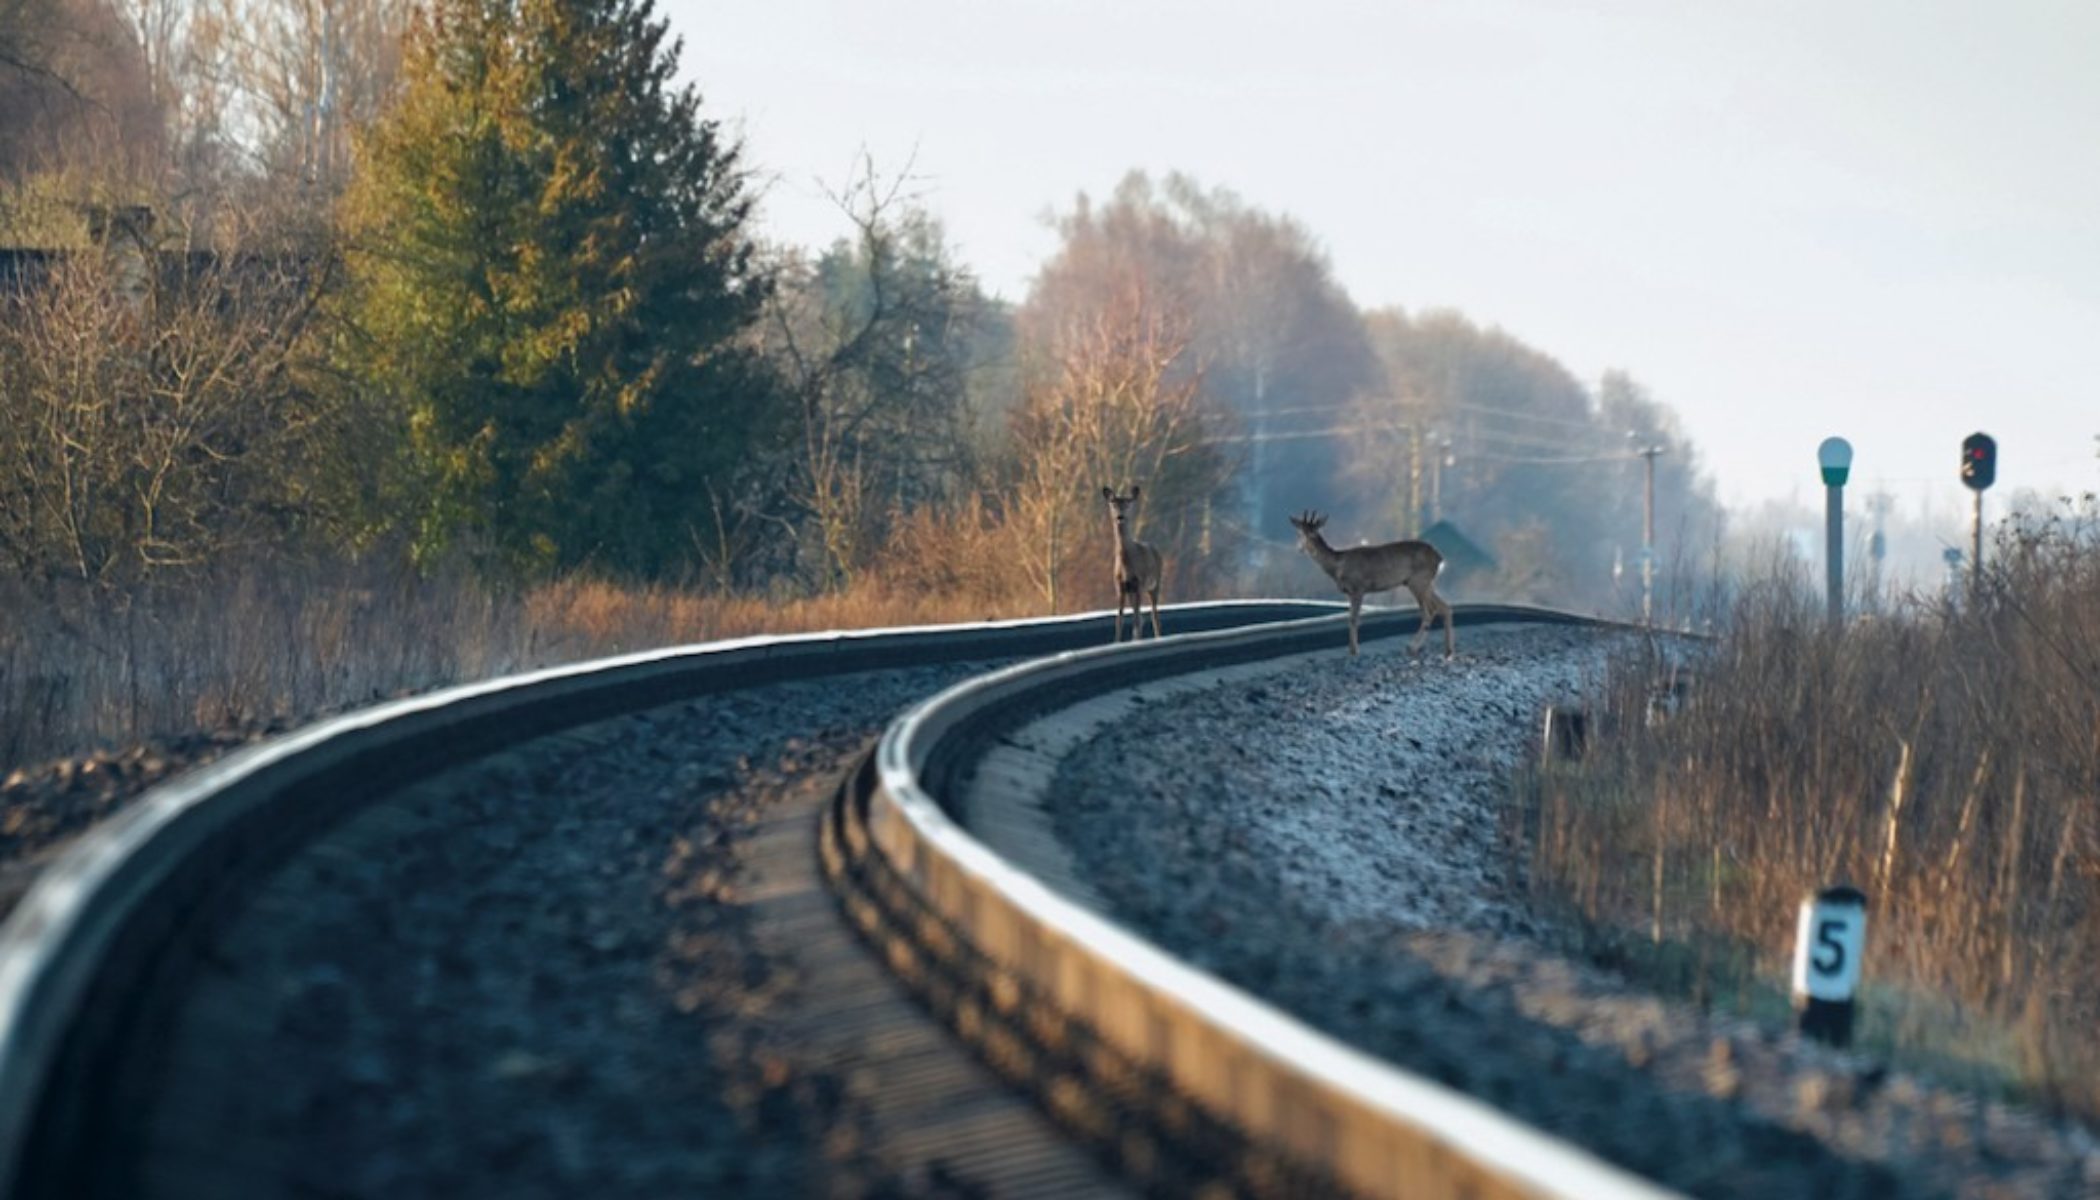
1567	733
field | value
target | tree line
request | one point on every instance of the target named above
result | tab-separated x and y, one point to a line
481	281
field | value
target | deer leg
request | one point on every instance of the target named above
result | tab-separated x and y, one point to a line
1425	604
1356	606
1118	637
1155	614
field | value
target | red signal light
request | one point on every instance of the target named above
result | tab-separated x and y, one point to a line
1979	461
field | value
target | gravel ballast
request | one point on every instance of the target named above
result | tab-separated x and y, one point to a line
1331	838
536	975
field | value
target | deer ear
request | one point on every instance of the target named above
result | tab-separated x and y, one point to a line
1135	490
1107	493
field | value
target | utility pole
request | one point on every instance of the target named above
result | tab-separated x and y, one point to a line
1877	546
1414	473
1258	470
1440	457
1648	452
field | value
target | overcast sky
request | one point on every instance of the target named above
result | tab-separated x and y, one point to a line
1789	219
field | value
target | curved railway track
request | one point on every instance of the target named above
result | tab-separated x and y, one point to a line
1189	1085
144	990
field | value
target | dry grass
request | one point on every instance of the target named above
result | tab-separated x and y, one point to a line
1945	761
80	670
83	669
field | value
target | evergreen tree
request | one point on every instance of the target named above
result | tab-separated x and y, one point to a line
553	280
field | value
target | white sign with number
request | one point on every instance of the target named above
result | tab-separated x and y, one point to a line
1827	948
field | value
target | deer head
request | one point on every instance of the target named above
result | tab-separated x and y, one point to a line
1120	506
1308	524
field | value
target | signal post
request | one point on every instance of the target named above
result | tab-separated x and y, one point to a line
1979	469
1834	456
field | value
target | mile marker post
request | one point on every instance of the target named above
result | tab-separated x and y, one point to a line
1828	943
1835	457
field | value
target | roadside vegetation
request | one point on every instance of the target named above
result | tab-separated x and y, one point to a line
1944	758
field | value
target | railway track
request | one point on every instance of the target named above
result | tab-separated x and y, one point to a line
148	991
1189	1085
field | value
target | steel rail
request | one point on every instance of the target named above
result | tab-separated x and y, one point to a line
1111	1031
82	953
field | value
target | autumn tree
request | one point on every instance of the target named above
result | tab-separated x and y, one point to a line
1280	344
555	283
1113	398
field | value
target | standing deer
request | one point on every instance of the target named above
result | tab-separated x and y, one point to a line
1138	567
1361	570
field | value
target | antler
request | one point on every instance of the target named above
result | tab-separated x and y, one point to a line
1309	519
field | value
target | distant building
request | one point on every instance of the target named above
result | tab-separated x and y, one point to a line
126	234
1463	557
133	222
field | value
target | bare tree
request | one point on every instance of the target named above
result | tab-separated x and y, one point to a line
158	414
28	29
875	338
243	92
305	74
75	89
1118	402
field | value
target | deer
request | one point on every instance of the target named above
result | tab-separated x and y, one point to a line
1138	566
1361	570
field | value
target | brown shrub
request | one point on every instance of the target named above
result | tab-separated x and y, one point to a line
1944	759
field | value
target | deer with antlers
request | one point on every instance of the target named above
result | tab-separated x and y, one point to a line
1138	566
1361	570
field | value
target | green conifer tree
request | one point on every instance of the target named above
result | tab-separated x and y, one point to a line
553	281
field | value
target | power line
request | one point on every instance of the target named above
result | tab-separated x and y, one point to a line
1591	424
1471	453
1622	456
1302	435
1527	439
1469	442
1587	426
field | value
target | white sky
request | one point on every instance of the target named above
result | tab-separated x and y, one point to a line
1789	218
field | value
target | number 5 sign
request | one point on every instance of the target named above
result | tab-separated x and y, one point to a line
1827	948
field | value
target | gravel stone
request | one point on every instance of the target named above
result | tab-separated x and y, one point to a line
532	977
1330	839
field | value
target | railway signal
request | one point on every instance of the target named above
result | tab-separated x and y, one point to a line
1979	469
1979	461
